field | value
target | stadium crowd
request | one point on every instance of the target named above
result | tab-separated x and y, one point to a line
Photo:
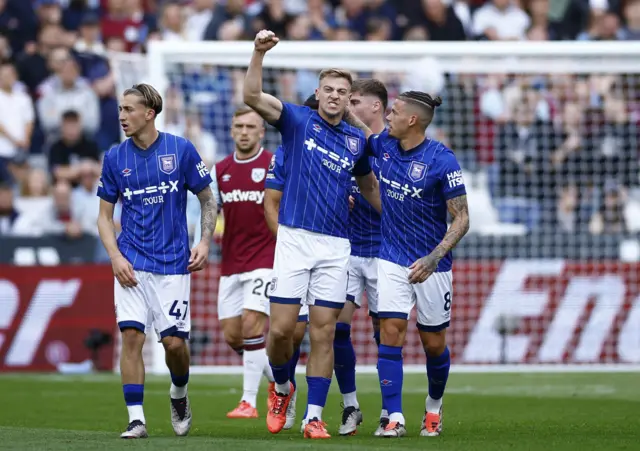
555	151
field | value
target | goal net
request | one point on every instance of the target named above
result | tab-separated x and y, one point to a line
547	136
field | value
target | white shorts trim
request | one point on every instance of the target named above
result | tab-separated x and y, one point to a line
432	298
363	276
310	268
161	301
246	291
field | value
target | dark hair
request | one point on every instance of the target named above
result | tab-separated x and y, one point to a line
71	115
311	102
424	101
372	87
150	97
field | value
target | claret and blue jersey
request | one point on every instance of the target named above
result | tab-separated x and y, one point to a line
364	222
414	188
319	161
152	185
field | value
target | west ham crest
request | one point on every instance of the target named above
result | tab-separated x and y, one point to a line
257	174
353	144
167	163
417	171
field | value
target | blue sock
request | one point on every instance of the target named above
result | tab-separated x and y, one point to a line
293	362
317	396
280	373
376	337
391	375
180	381
133	394
344	359
438	373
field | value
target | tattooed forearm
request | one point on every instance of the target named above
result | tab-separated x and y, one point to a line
459	210
353	120
208	213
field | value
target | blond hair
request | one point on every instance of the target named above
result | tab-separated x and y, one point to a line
336	73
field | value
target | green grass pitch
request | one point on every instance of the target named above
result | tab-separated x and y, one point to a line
482	412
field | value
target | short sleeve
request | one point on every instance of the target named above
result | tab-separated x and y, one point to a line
375	143
215	188
276	175
107	185
362	166
196	173
289	118
450	175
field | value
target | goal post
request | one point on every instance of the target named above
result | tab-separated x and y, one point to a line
544	280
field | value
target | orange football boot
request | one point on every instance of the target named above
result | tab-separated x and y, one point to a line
316	429
277	413
244	410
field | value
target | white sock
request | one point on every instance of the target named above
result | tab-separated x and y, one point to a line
283	389
396	416
433	405
350	400
136	413
178	392
253	362
384	413
313	412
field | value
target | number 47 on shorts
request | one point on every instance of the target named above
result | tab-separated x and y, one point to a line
177	312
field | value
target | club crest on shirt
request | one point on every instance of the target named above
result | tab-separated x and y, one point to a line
257	174
353	144
417	171
167	163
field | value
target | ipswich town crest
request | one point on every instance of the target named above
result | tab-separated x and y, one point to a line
167	163
417	171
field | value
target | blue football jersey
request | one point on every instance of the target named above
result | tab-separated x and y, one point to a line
152	185
414	188
364	222
276	175
319	161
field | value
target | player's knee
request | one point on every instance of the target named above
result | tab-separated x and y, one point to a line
253	323
322	334
434	343
232	331
393	331
132	341
174	345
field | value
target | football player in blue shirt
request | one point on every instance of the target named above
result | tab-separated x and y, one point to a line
322	152
274	185
420	181
368	102
150	173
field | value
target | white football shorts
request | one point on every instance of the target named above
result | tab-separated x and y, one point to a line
161	301
310	268
363	276
246	291
432	298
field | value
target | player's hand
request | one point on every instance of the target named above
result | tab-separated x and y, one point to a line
199	257
265	41
422	268
352	203
123	270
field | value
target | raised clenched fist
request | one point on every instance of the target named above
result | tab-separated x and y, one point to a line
265	40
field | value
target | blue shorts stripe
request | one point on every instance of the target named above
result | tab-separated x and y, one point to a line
351	298
303	318
398	315
423	328
279	300
174	332
330	304
373	314
131	325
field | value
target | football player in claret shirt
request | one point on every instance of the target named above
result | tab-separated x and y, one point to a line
420	181
272	196
150	173
247	253
321	153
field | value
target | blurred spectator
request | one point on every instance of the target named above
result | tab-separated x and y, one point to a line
353	15
59	219
89	40
33	67
16	120
272	16
8	213
18	24
230	22
126	20
197	22
172	24
71	149
49	12
68	92
203	140
322	20
440	21
631	30
609	219
84	208
36	186
500	20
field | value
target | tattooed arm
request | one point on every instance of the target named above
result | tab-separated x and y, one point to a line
208	214
424	267
352	119
208	217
